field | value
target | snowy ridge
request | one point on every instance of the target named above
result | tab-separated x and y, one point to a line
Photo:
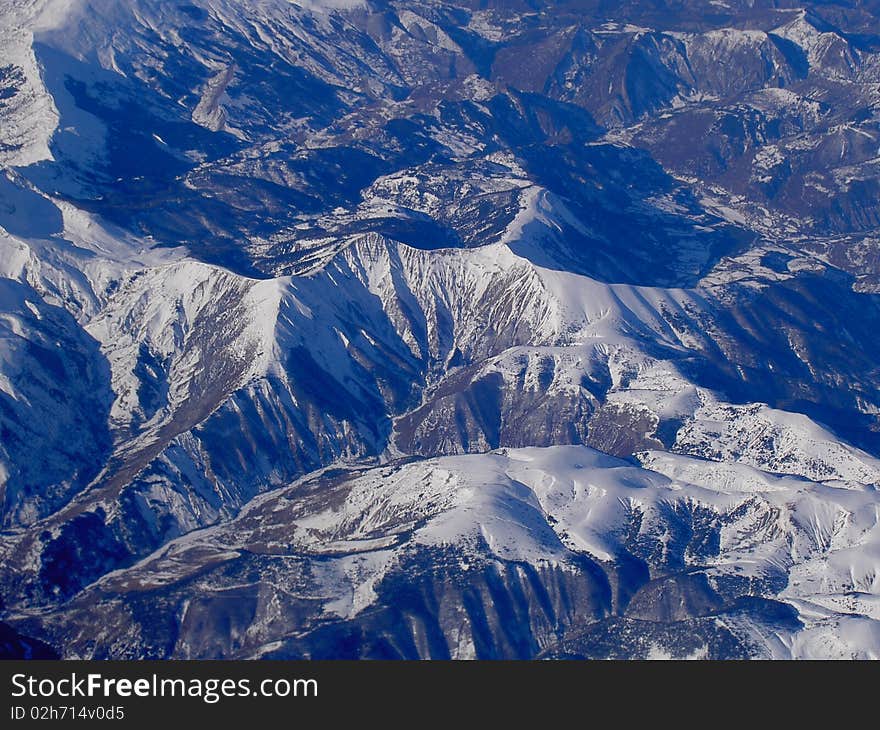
331	328
547	507
27	112
169	313
160	323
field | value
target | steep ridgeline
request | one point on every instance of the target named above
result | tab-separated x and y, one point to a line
554	552
438	330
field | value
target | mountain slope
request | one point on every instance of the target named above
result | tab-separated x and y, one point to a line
435	330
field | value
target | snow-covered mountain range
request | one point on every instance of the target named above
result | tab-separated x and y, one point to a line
439	329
